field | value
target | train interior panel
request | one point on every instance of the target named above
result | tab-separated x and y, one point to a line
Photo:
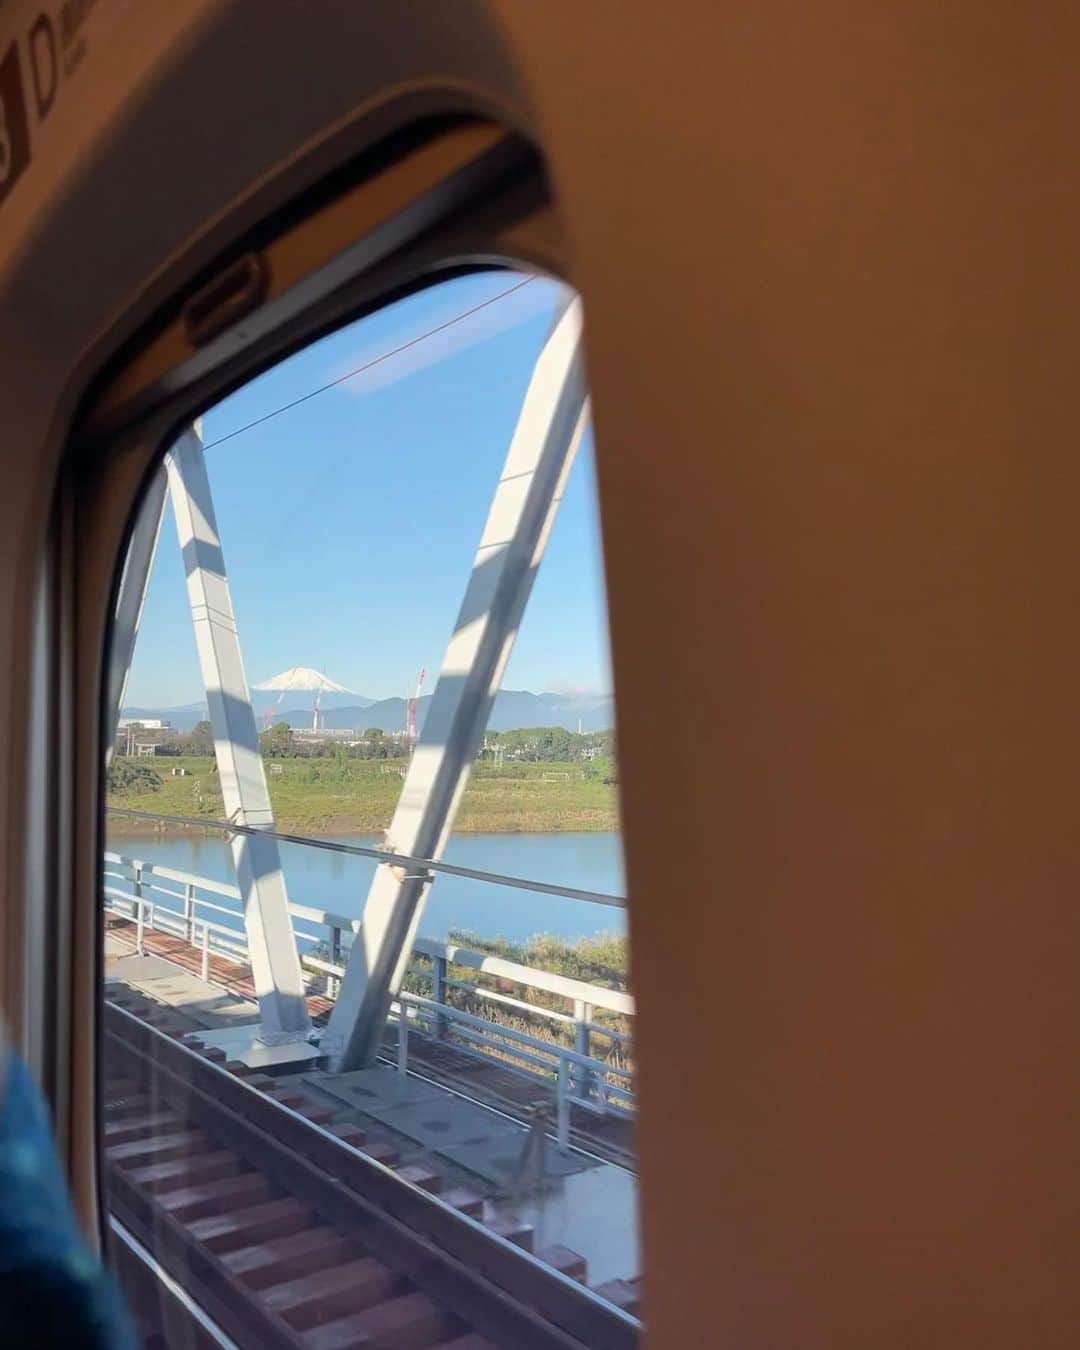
537	570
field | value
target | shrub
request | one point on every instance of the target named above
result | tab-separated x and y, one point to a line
132	778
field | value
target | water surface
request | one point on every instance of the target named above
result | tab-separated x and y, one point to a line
339	882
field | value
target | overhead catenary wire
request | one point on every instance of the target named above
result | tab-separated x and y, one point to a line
297	512
368	365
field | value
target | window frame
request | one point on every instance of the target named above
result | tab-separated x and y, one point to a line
499	218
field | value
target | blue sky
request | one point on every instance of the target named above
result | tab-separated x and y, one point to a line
349	523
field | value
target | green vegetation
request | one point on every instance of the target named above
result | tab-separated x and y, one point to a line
340	794
601	960
132	778
549	744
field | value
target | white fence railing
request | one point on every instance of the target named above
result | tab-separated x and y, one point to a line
592	1073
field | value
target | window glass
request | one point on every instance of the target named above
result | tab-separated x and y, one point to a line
365	936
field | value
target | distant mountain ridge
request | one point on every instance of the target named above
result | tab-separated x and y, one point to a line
513	708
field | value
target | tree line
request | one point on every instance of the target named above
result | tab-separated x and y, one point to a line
525	744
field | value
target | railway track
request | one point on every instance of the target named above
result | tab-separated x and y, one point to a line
289	1236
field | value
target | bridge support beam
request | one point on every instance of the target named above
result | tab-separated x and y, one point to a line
131	597
545	441
275	965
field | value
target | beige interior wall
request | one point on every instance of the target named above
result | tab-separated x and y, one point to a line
833	342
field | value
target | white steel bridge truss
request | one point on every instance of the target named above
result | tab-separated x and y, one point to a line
526	501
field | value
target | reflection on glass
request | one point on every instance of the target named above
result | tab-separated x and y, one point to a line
345	531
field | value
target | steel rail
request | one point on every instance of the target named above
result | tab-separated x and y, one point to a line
501	1291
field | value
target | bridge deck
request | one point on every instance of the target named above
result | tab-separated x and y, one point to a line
581	1202
610	1136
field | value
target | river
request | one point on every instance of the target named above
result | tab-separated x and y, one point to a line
338	882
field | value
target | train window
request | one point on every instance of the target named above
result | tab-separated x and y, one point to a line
368	1072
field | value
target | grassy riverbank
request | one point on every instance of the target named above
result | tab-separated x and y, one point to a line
602	960
352	796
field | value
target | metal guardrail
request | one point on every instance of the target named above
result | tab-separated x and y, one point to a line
186	905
